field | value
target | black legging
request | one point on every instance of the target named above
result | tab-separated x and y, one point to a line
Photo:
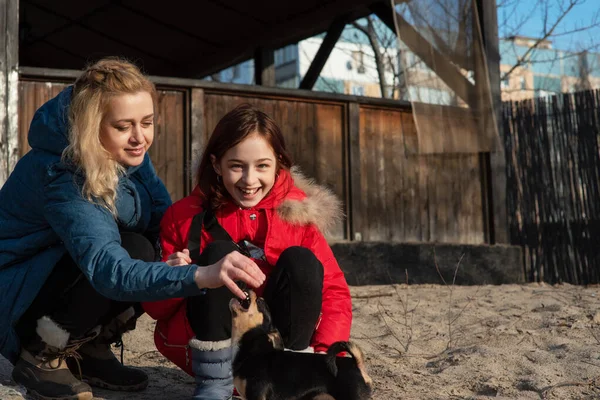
70	300
293	293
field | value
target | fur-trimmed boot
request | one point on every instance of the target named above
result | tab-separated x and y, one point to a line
42	369
211	363
98	364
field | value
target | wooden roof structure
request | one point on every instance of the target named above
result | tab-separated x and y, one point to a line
178	38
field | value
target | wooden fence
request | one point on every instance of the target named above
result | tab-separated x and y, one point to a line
364	149
553	182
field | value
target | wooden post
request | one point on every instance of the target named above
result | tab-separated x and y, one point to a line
197	134
355	194
264	67
488	20
9	87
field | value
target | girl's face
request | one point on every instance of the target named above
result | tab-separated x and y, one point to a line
248	170
127	129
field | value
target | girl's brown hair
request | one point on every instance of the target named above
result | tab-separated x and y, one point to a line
91	94
233	128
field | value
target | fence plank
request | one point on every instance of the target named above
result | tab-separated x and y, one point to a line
169	139
355	171
199	134
32	95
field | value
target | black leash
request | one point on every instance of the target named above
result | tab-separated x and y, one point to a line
208	219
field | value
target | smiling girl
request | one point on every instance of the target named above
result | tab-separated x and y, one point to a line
251	200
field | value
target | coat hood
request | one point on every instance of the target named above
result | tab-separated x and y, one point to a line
320	207
49	130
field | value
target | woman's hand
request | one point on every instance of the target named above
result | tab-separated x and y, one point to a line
179	258
233	267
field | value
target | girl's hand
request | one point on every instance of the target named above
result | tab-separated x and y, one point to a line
179	258
233	267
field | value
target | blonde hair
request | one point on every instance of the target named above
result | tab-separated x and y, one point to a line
91	94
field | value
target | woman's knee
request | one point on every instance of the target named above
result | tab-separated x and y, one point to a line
138	246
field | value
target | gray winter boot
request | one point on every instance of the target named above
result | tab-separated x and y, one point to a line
98	365
42	369
211	363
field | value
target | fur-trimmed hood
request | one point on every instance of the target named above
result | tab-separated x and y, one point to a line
320	207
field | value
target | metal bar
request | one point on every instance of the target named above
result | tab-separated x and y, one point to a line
264	67
333	34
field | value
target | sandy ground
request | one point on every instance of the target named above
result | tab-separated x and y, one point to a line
531	341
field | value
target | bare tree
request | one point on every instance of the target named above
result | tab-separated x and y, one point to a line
553	14
369	31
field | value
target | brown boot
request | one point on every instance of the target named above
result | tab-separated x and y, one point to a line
98	364
42	369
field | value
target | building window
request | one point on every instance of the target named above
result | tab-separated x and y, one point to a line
390	92
504	84
358	90
522	83
237	71
286	54
388	66
359	60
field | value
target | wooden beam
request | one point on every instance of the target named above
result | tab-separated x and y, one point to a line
264	67
65	26
488	22
302	26
69	75
9	87
106	34
436	61
317	64
355	207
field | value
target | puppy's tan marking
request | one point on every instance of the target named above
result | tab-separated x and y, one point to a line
360	362
276	339
323	396
252	317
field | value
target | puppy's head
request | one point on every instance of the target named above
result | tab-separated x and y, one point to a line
245	317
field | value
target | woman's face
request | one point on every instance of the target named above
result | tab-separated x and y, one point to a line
127	129
248	170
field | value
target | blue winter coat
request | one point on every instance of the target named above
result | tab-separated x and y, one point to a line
43	215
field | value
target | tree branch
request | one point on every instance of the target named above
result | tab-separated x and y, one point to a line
524	58
369	31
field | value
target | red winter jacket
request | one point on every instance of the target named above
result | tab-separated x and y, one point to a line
287	216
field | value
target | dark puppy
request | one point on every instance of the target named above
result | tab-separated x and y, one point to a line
262	370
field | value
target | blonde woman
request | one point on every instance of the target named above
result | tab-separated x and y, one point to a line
79	217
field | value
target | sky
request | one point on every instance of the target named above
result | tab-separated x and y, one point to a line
525	17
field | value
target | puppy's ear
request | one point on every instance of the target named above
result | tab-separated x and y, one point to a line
276	340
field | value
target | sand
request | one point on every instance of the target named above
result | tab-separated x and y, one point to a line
531	341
